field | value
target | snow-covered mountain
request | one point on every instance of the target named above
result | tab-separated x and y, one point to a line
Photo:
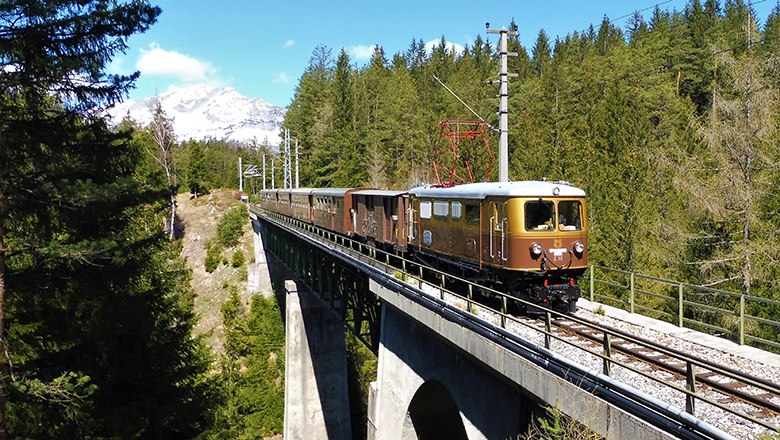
210	113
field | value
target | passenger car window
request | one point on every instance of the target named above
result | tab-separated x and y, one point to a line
441	208
455	210
539	215
569	213
425	209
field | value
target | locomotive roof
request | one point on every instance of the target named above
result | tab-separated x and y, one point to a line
528	188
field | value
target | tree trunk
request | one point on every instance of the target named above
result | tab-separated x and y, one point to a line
173	212
4	362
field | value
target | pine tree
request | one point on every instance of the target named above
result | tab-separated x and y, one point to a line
343	151
309	117
196	171
97	309
541	53
373	134
40	55
403	116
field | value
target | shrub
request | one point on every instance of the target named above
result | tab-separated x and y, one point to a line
231	226
213	257
238	259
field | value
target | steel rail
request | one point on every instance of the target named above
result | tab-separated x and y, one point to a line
724	388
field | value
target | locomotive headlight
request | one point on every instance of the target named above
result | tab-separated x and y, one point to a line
579	247
536	249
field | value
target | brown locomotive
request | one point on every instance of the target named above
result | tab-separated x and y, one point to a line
529	237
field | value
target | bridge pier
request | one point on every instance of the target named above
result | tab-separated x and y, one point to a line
316	402
426	389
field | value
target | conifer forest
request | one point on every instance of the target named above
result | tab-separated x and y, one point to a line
668	119
669	122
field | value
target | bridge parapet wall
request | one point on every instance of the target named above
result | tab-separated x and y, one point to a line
418	345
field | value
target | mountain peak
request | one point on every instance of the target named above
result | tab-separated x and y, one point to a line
205	112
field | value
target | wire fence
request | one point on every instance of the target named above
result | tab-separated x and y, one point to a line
745	319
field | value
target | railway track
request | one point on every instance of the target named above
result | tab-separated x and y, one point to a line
709	381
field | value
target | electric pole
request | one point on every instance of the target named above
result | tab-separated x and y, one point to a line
297	176
240	175
287	161
503	102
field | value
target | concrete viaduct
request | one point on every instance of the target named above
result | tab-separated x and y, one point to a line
441	374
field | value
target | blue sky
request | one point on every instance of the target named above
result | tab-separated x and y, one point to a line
261	48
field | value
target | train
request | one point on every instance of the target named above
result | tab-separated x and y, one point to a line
526	238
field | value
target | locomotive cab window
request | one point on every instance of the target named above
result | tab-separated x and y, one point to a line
472	214
539	215
569	215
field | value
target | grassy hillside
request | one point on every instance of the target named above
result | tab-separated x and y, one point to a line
199	218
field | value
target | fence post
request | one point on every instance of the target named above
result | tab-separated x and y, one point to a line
607	354
591	282
548	330
690	384
680	306
742	319
631	293
503	311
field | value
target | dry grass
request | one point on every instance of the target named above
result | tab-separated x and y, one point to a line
200	217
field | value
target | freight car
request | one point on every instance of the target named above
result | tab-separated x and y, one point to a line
526	238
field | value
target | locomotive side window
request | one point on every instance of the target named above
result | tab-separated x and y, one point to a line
455	210
539	215
472	214
425	209
441	208
569	215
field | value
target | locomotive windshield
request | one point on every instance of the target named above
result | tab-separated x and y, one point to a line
541	215
569	215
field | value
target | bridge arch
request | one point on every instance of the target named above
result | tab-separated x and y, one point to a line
433	414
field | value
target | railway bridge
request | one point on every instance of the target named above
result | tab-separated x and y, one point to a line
444	370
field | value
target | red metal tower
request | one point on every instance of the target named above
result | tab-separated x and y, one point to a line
447	157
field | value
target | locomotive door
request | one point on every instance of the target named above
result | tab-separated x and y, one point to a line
497	238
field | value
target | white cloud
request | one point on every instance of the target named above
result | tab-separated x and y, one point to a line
361	52
289	43
281	78
449	45
157	61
